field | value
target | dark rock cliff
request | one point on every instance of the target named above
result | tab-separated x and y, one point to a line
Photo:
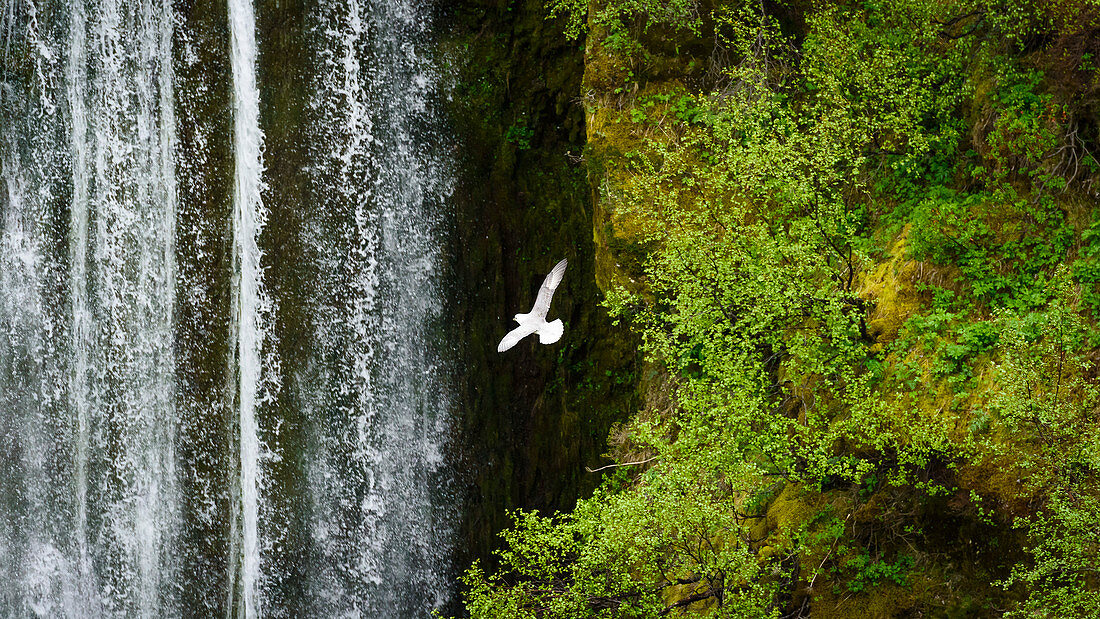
536	416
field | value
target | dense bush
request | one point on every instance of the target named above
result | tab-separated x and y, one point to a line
821	434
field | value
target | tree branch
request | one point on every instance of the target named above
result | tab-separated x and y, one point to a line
590	470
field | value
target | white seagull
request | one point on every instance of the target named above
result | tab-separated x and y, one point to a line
535	322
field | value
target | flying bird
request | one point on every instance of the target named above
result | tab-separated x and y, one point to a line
535	321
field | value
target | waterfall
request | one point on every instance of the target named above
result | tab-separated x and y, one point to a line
248	222
206	407
375	383
37	499
89	364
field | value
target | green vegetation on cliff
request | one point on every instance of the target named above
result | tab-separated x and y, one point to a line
858	242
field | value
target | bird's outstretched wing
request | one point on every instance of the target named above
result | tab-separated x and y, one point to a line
546	292
514	336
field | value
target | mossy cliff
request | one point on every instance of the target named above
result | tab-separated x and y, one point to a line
965	540
866	230
962	548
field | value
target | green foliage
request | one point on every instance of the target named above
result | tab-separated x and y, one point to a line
760	205
617	16
869	572
1045	394
1020	20
520	135
1048	402
1062	578
576	13
1086	269
952	341
627	554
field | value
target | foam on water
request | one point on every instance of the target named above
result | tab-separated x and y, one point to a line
97	487
377	384
87	265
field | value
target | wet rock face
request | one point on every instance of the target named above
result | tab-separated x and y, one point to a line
526	422
204	170
533	417
358	175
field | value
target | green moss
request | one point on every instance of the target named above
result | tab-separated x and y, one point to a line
891	288
792	508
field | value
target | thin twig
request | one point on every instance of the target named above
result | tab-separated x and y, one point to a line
621	464
831	549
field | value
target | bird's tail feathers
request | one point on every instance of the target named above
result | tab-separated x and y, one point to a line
551	332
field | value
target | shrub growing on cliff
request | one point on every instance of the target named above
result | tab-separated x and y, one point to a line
764	212
666	545
1048	404
619	16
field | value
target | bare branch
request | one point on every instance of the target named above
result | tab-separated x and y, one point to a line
591	470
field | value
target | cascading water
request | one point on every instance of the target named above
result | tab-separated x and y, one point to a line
138	479
375	383
88	382
249	299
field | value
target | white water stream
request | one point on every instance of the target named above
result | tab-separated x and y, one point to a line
91	365
249	300
99	487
